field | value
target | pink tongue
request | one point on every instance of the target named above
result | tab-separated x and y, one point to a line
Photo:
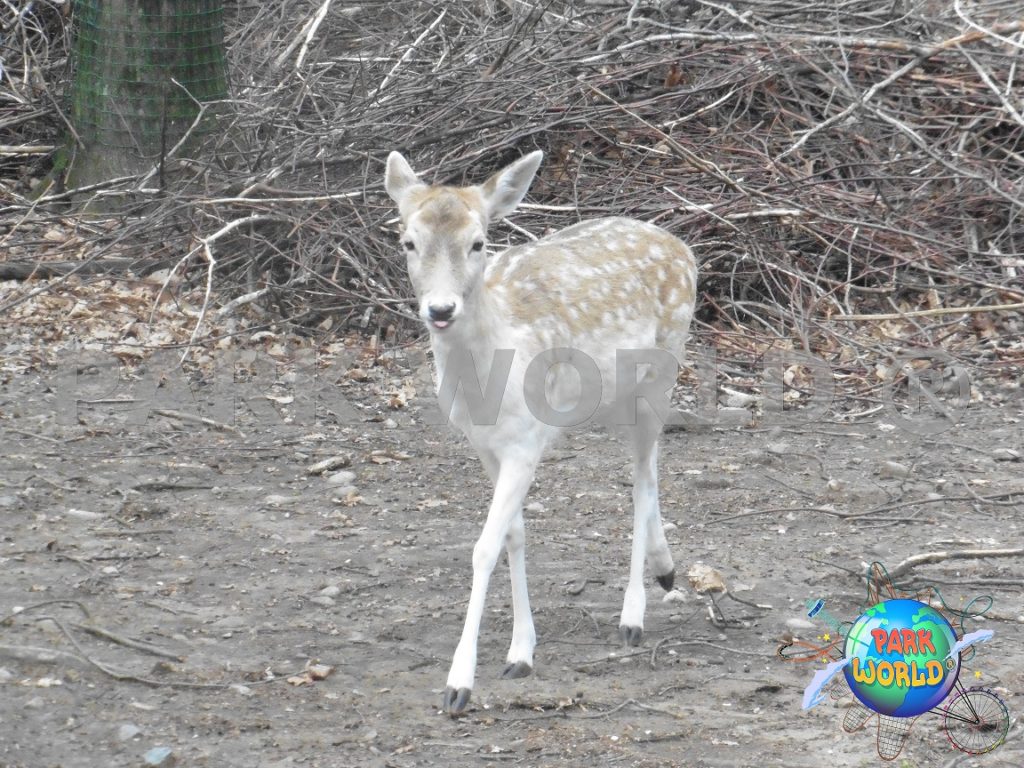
441	323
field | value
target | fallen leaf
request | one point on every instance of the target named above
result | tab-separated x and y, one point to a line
704	579
383	457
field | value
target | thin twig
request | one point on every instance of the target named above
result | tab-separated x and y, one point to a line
127	642
311	32
405	56
181	416
904	567
937	312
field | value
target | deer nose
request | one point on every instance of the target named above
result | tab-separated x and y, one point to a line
441	313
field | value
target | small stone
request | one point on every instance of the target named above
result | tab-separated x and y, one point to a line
322	600
8	501
6	675
277	499
390	424
1006	454
319	671
894	469
345	477
732	398
334	462
83	514
160	756
345	495
799	624
332	591
667	527
535	507
674	596
128	731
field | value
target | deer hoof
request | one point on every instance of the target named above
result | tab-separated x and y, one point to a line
666	580
519	669
631	635
455	701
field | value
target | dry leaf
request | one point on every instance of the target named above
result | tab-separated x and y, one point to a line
400	397
386	457
351	499
982	324
704	579
674	76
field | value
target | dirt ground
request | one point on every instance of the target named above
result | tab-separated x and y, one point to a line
221	552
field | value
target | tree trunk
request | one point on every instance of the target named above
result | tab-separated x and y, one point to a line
141	67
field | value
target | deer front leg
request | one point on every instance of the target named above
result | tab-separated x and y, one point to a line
514	477
524	637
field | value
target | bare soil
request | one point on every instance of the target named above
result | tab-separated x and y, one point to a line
224	552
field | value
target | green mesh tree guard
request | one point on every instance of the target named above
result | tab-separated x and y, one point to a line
141	66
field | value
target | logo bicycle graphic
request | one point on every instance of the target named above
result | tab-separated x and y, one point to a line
902	659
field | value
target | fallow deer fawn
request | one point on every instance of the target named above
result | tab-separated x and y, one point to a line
587	298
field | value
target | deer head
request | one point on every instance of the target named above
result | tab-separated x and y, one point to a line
444	232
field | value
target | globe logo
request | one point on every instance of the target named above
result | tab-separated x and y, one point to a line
897	658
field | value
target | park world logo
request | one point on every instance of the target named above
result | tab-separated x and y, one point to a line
899	660
901	656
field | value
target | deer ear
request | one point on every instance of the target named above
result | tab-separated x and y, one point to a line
507	188
399	178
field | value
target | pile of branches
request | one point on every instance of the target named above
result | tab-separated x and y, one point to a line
836	161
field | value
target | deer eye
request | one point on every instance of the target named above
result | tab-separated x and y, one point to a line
409	245
478	245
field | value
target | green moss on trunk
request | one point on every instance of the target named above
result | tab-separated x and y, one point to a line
140	68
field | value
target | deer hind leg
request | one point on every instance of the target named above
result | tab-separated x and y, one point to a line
648	534
658	553
503	526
